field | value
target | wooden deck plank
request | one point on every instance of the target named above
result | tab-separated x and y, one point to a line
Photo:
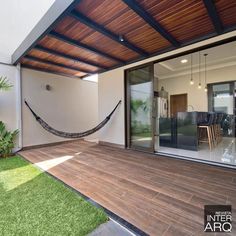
161	196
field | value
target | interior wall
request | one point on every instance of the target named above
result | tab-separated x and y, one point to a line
71	105
197	98
9	106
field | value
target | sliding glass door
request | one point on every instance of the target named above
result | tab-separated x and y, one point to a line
139	91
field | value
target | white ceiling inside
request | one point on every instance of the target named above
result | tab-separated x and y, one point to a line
221	56
17	19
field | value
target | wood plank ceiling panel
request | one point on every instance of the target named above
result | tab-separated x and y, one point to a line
73	29
66	62
78	31
120	19
51	68
58	59
68	49
227	12
102	11
109	46
184	19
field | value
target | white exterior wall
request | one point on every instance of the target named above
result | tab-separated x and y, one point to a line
9	100
110	91
17	19
111	82
70	106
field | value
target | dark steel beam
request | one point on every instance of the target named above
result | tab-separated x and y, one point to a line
213	14
49	71
66	56
101	29
76	43
132	4
36	59
58	10
169	49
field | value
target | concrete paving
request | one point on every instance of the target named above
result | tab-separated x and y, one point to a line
111	228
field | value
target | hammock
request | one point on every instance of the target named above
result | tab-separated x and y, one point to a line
71	135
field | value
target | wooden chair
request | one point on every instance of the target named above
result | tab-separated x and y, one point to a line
206	131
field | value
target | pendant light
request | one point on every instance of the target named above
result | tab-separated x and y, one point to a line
199	74
191	79
205	55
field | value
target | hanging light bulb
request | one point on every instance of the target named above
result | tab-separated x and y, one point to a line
205	55
191	80
199	71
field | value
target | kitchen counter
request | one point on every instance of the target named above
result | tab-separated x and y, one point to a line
179	132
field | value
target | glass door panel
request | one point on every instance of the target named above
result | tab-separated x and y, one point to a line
221	99
140	95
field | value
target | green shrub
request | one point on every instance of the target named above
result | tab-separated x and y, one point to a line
6	140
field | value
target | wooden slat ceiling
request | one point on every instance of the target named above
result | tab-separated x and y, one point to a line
100	35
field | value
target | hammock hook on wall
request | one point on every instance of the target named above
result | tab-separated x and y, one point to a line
67	134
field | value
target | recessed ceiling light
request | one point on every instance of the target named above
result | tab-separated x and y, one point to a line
121	38
184	61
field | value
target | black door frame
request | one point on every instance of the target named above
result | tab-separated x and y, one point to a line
128	113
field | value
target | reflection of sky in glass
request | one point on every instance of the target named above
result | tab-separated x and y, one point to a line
141	91
223	100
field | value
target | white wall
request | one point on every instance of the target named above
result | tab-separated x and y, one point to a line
70	106
110	91
111	88
197	97
17	19
9	99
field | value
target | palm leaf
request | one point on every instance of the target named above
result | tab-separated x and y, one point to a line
4	84
6	140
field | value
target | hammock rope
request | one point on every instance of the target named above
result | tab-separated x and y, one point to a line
67	134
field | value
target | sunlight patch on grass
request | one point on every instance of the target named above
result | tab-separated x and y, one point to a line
11	179
34	203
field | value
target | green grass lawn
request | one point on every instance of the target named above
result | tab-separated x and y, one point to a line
34	203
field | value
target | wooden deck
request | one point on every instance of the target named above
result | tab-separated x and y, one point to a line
160	195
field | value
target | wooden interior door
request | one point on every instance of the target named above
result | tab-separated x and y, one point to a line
178	103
